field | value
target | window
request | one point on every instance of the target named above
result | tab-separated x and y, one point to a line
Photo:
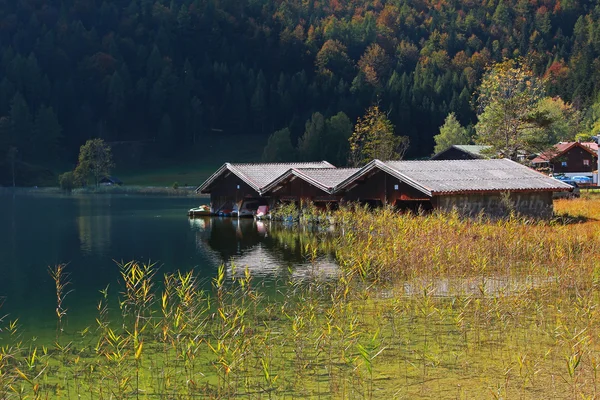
586	162
564	163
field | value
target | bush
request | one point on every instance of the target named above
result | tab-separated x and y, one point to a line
175	185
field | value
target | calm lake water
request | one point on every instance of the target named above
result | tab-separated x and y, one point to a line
90	232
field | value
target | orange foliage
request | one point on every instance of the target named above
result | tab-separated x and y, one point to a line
557	71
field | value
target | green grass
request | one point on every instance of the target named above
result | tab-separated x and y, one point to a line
183	174
193	166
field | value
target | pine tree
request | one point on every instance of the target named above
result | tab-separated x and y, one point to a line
47	135
310	145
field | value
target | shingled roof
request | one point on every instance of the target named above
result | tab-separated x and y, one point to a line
325	179
446	177
257	176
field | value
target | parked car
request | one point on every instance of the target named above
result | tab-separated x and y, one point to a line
575	193
582	179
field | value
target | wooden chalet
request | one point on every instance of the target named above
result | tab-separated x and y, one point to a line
569	158
494	187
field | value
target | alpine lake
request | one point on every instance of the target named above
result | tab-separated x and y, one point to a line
92	234
123	296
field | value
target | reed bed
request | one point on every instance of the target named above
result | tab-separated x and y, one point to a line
424	306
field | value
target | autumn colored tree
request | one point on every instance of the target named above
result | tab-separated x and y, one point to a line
333	59
95	160
132	72
374	64
451	133
373	137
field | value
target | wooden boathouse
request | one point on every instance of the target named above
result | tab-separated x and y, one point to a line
233	183
494	187
316	185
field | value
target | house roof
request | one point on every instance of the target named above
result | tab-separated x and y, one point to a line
445	177
257	176
323	178
561	148
472	149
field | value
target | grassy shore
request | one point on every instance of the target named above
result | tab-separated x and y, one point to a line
430	306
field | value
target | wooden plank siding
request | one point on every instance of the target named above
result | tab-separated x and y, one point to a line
537	205
576	159
230	188
299	190
381	187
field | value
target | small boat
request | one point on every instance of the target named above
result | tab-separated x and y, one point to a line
202	211
262	212
228	211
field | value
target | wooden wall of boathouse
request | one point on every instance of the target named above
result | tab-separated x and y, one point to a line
298	190
383	188
530	204
230	189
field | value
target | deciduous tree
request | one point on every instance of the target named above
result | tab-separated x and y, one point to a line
451	133
95	160
507	100
279	147
373	137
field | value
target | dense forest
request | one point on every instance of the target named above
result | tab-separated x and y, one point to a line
177	73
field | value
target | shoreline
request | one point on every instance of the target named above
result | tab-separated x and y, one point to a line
187	191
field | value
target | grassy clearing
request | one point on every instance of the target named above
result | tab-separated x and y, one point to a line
425	306
184	175
196	164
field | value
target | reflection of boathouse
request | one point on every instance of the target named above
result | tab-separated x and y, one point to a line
469	186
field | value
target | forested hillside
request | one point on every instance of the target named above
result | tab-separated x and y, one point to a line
181	72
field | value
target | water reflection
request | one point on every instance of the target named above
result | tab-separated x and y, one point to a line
94	229
267	249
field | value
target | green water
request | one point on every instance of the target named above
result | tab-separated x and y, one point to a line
90	232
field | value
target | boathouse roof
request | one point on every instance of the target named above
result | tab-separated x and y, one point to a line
325	179
446	177
462	152
257	176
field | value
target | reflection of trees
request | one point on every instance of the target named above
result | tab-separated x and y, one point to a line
231	236
267	248
94	230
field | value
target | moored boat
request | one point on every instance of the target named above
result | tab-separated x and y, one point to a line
201	211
